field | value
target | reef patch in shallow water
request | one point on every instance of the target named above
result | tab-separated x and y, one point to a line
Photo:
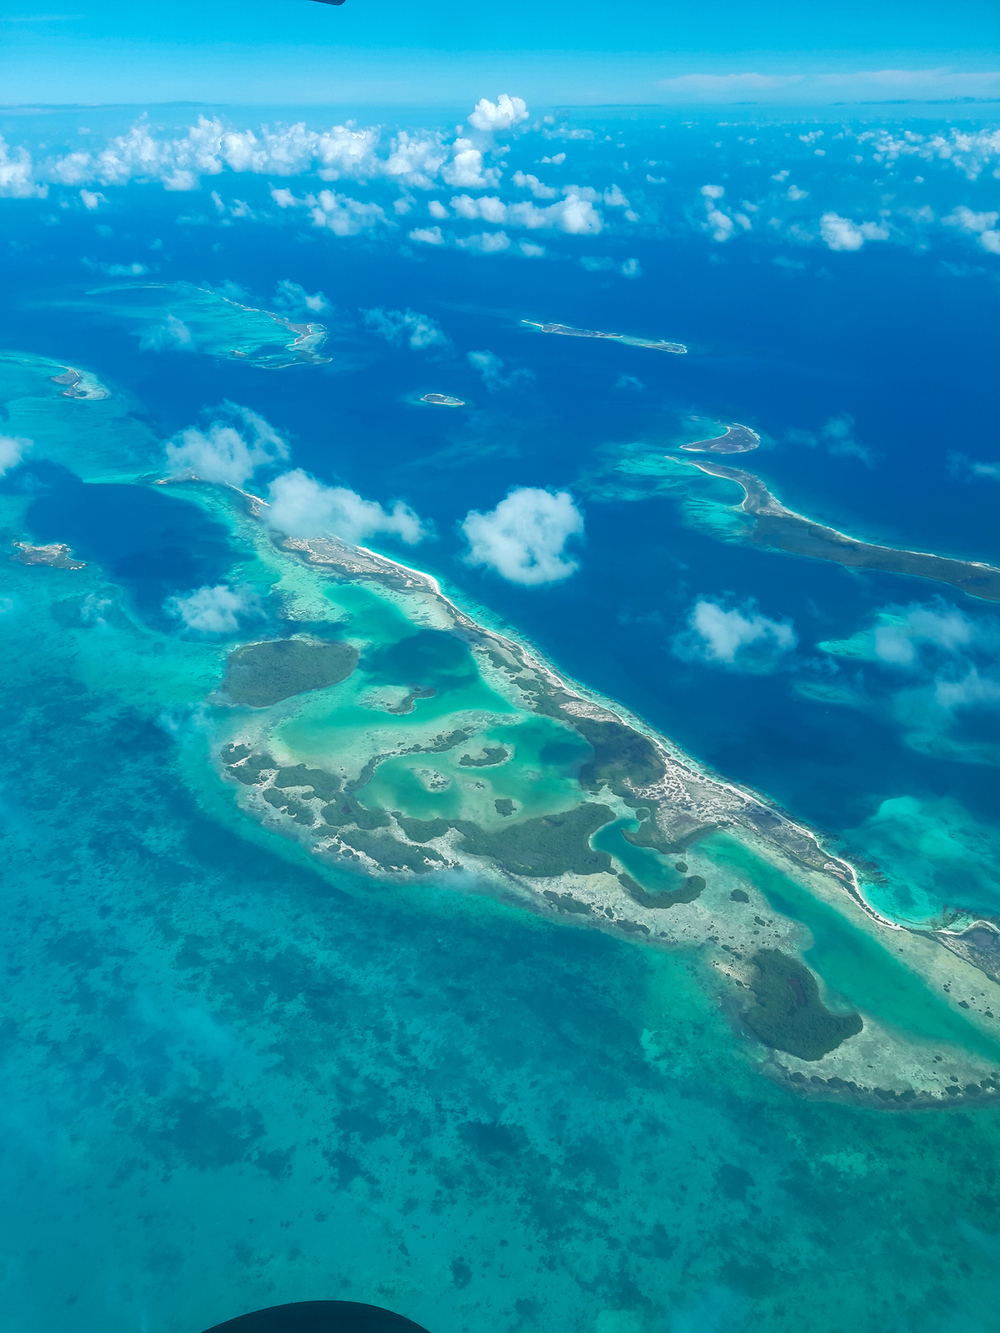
789	1014
261	674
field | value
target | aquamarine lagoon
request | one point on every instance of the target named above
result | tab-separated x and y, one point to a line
596	933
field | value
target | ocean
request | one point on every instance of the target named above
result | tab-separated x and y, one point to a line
232	1081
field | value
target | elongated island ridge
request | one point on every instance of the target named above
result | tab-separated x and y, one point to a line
784	530
735	439
218	324
568	331
442	400
429	744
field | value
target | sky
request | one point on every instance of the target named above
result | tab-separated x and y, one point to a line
391	52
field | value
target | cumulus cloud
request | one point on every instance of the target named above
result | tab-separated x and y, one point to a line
12	450
971	467
342	215
135	270
485	242
466	169
172	335
739	638
213	610
230	451
532	183
982	225
843	234
899	634
428	236
720	223
291	296
91	200
405	326
574	214
524	539
628	268
490	367
970	691
301	506
837	436
495	117
17	174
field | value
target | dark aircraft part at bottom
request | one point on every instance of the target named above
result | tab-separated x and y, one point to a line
320	1316
329	2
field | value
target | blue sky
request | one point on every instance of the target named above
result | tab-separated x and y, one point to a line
444	51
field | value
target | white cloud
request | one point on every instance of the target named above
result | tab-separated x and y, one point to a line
574	214
342	215
524	538
490	367
301	506
971	691
530	250
17	172
739	638
291	296
629	268
838	435
982	225
12	450
213	610
226	453
843	234
437	209
399	326
719	222
427	236
899	634
490	208
90	200
532	183
503	114
486	243
124	270
555	161
173	335
466	168
967	220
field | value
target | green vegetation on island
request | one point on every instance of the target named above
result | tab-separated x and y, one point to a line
261	674
789	1014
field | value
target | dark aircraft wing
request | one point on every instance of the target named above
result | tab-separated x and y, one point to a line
330	2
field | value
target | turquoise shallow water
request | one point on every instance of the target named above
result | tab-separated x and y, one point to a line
231	1080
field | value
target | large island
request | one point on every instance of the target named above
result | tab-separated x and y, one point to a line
410	742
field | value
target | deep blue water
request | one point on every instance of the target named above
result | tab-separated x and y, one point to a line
887	335
233	1082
